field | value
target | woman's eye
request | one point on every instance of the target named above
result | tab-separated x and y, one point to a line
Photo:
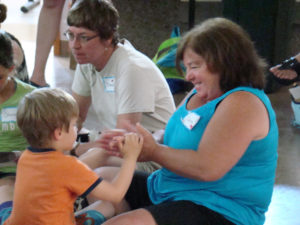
84	38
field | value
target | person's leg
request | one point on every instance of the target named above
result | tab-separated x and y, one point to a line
136	196
48	27
287	72
107	173
6	196
188	213
97	157
135	217
175	213
7	188
98	211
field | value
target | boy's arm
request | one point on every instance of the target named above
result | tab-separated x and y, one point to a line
115	191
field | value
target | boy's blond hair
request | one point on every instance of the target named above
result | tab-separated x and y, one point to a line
44	110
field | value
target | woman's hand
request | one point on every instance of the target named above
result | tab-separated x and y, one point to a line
149	146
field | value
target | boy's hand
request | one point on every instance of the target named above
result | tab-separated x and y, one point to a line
130	144
108	140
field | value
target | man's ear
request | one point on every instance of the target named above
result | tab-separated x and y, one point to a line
57	134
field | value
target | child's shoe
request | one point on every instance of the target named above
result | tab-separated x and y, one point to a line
90	217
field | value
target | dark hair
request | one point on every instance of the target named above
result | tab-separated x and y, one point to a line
6	50
97	15
227	50
42	111
3	11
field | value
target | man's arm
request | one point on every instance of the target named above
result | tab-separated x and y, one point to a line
126	121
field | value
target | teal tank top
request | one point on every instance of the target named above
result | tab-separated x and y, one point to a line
244	193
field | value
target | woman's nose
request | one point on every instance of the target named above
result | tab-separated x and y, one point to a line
189	76
74	43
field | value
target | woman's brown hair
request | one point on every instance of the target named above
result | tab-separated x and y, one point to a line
3	11
97	15
227	50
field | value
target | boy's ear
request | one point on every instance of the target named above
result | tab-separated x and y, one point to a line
57	134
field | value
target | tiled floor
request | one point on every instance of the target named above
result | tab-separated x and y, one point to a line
285	206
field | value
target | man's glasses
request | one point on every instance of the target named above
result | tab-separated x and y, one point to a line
81	38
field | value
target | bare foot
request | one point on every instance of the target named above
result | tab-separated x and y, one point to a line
283	74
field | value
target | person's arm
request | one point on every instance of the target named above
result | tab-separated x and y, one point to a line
126	121
84	103
239	119
116	190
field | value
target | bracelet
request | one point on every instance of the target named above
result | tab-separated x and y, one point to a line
289	64
73	151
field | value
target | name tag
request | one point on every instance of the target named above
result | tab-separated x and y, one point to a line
9	114
109	84
190	120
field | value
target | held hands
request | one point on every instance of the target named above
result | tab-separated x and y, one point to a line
130	144
109	141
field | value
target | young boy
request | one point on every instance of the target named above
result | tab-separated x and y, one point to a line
48	181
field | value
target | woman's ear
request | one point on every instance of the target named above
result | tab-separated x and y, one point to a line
108	42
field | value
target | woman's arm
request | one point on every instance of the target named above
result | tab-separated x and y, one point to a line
84	105
239	119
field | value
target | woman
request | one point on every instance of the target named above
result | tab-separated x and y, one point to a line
122	85
12	91
20	70
220	147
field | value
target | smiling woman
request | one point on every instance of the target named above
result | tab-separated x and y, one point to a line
206	83
219	153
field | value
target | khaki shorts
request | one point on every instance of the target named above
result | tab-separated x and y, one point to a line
148	167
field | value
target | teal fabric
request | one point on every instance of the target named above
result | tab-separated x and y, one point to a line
244	193
5	211
90	217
